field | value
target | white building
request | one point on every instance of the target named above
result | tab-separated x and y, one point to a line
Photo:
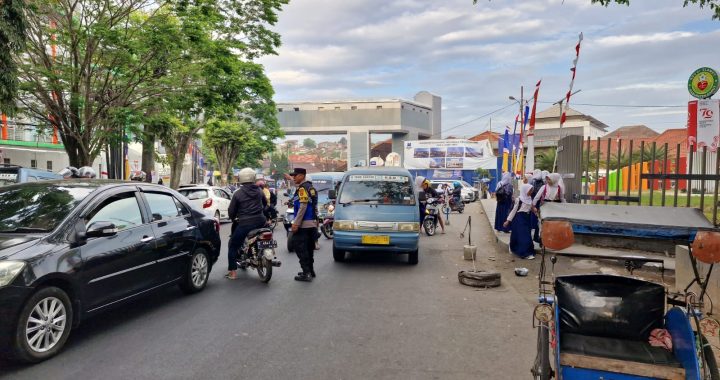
548	131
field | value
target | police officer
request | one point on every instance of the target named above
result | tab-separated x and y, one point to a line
305	224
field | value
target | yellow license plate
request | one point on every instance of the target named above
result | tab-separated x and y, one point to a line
375	239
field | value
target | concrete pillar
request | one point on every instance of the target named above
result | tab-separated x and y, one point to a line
358	148
435	103
398	142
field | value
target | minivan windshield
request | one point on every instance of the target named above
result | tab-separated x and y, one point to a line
8	176
38	207
377	189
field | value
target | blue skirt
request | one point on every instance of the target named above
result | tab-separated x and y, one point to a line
521	242
535	226
502	210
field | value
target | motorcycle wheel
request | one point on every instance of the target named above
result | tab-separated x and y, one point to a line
327	231
264	270
289	242
429	226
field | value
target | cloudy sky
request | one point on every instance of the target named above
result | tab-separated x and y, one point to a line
477	56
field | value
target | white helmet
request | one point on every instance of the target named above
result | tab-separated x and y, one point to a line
246	175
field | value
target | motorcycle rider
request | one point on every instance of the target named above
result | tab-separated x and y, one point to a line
305	225
431	193
246	212
457	192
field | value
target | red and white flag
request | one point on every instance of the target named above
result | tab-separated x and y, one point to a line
572	81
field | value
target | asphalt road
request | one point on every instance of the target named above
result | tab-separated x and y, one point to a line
372	317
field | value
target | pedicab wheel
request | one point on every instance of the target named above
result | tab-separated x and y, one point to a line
712	372
543	371
264	270
289	242
338	254
479	279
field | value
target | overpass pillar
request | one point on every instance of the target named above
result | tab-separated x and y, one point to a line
358	148
398	143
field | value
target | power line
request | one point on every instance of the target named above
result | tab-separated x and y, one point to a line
477	118
619	105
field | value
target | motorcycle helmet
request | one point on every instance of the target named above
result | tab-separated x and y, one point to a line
457	184
247	175
86	172
69	172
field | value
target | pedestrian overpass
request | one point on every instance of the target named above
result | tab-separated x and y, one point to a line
418	119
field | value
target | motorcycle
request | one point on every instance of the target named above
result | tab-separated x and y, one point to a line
258	252
326	224
456	204
430	221
271	215
287	223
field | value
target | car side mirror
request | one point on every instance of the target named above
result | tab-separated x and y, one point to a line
422	197
332	194
101	229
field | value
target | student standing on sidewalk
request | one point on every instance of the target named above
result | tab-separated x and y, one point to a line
521	243
504	197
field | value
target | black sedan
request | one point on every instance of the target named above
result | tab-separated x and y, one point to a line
70	249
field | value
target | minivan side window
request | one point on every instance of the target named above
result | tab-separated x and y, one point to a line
121	209
162	206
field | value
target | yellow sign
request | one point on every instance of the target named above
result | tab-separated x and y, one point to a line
375	239
703	83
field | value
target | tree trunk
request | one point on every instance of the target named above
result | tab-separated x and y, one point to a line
176	167
224	167
148	157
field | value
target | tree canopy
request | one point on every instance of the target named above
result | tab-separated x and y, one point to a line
309	143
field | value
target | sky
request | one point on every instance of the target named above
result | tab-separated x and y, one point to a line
475	57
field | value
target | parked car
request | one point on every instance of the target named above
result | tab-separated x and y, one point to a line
468	193
73	248
212	200
376	210
12	174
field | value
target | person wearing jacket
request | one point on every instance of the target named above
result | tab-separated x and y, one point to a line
305	225
246	212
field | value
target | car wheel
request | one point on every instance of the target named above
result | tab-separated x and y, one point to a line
338	254
413	257
197	273
44	325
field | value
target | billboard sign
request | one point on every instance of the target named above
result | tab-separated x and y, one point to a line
703	83
449	154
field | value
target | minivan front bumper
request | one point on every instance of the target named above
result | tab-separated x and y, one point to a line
400	242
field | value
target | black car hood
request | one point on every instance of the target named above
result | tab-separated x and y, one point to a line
11	244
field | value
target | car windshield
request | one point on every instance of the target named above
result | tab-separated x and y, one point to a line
193	194
38	207
377	188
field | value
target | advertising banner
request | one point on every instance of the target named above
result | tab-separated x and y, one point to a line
708	124
449	154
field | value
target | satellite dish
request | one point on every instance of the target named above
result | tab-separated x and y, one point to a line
392	159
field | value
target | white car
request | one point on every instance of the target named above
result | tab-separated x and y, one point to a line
212	200
467	192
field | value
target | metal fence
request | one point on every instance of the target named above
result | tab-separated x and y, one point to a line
646	173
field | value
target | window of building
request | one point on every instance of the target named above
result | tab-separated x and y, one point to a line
321	108
378	107
6	161
353	107
49	166
33	164
337	108
279	109
296	109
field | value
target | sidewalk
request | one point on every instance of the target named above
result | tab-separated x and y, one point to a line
504	240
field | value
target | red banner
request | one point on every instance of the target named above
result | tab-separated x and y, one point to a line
692	125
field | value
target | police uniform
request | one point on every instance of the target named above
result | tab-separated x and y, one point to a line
303	241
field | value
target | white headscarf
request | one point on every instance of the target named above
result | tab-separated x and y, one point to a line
506	178
528	177
525	188
554	185
537	174
544	174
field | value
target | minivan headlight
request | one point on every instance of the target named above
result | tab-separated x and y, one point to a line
9	270
343	225
408	227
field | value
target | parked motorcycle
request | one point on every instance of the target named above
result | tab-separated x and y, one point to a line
456	204
258	252
327	221
430	221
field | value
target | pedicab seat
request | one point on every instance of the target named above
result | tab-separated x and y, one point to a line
604	323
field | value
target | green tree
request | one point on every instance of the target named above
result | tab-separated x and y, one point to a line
12	39
227	139
279	165
309	143
714	5
545	160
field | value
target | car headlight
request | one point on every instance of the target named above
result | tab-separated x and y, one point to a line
343	225
408	227
9	270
